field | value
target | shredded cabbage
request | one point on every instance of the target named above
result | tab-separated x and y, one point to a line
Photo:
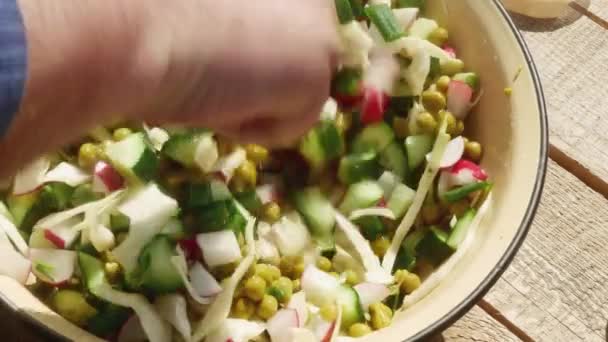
373	211
181	266
11	231
446	268
68	174
425	184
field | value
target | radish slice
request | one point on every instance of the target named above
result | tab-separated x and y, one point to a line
291	235
374	271
172	307
206	154
181	265
219	248
106	179
203	282
13	234
53	266
132	331
476	170
31	177
219	310
190	249
320	287
449	50
375	103
13	264
101	237
62	235
226	165
370	293
453	153
298	303
236	330
155	328
459	99
279	325
68	174
373	211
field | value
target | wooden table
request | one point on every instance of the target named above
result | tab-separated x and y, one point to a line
556	289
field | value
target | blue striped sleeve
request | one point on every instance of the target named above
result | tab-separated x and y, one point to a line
13	60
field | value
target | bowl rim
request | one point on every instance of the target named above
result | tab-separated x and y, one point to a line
524	227
468	302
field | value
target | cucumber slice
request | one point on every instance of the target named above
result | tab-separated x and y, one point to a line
361	195
134	157
321	144
83	194
460	230
250	200
175	230
119	222
375	137
56	196
457	194
417	147
401	199
318	213
393	159
22	207
358	166
73	306
219	216
352	311
344	11
156	271
404	261
200	195
108	320
371	227
470	78
181	147
434	246
410	243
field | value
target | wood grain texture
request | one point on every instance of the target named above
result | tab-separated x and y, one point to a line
476	326
555	289
571	55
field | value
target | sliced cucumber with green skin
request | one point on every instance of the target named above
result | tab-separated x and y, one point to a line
56	196
108	320
219	216
119	222
371	227
401	199
344	11
393	159
134	157
83	194
352	311
201	195
22	206
358	166
250	200
404	260
155	270
461	229
434	246
411	3
417	147
411	241
321	144
318	213
470	78
175	230
361	195
375	137
181	147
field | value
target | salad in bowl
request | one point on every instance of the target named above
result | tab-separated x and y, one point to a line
159	233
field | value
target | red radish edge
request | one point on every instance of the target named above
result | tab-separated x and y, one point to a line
191	249
382	203
375	103
54	239
330	332
475	169
106	178
459	96
449	50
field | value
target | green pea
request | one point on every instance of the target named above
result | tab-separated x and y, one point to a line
433	100
381	316
439	36
88	154
121	133
324	264
473	151
255	288
442	83
268	307
359	330
426	122
451	67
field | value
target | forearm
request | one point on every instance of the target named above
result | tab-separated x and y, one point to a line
82	69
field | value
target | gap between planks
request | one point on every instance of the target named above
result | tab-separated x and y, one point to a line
571	165
504	321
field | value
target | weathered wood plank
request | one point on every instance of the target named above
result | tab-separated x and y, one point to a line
476	326
571	55
555	289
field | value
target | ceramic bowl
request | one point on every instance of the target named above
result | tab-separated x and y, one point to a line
513	131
